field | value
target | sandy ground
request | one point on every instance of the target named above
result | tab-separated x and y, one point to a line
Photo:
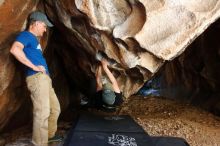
158	117
163	117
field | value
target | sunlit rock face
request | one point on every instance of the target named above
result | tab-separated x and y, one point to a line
89	27
12	96
140	36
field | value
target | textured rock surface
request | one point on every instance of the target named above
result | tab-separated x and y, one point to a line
194	76
12	19
140	36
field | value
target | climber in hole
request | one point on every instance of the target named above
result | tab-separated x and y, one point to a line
107	94
46	107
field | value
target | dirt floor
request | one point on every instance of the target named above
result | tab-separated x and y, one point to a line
163	117
158	116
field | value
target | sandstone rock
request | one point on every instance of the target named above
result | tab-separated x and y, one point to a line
140	36
105	15
13	15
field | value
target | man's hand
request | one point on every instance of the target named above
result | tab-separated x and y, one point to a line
39	68
104	62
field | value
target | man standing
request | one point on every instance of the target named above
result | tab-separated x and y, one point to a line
46	108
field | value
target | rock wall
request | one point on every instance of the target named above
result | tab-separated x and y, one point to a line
12	95
194	76
138	35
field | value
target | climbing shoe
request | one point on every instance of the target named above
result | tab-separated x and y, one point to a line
55	138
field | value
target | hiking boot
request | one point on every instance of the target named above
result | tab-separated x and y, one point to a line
55	138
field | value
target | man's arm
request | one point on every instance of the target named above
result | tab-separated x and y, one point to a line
110	76
98	78
17	51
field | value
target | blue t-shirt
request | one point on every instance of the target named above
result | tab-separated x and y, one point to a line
32	50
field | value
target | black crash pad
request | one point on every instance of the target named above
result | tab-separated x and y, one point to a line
95	123
93	130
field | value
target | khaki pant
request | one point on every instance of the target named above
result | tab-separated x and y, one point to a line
46	108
